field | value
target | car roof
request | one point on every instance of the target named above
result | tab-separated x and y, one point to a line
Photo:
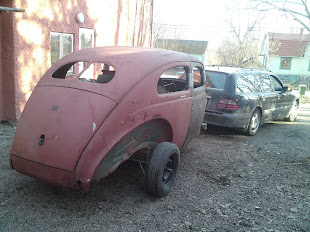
232	70
228	70
131	65
153	57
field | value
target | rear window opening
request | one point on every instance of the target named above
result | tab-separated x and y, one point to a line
95	72
215	80
65	71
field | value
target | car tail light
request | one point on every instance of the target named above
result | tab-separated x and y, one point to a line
228	104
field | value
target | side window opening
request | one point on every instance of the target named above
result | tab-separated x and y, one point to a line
245	84
267	87
173	80
95	72
276	84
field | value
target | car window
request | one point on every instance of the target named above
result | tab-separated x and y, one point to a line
276	84
64	71
197	76
95	72
215	80
98	73
173	80
245	84
266	83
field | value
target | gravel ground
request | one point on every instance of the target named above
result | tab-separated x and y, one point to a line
227	182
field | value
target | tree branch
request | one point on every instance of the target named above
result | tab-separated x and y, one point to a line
302	16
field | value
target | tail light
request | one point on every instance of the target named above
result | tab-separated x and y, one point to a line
228	104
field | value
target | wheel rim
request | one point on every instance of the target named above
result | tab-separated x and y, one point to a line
294	112
255	122
168	170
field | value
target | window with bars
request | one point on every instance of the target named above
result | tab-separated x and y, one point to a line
61	45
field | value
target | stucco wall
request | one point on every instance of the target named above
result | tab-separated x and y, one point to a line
299	66
116	22
1	89
7	63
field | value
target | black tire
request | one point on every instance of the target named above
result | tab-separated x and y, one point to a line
254	123
293	113
162	169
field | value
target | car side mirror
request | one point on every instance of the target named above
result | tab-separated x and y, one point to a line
287	89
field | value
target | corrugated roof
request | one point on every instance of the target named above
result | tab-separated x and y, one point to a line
288	44
186	46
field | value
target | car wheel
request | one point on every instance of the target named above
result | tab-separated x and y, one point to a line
162	169
293	113
254	123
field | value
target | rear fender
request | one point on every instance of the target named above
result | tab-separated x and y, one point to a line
148	134
145	135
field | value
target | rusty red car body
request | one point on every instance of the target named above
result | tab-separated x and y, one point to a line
73	131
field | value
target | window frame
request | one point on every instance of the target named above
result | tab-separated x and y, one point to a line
195	66
61	47
290	63
258	83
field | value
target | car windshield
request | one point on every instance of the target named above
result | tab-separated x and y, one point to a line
216	80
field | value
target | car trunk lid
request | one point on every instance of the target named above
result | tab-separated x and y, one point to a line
57	124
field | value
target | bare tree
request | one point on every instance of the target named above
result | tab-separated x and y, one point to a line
243	44
158	30
297	9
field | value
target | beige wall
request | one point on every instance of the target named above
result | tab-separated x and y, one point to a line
116	22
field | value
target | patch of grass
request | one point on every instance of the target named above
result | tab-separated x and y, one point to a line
305	99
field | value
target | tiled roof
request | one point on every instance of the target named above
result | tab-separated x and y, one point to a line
288	44
186	46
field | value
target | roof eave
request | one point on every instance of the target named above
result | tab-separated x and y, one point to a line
9	9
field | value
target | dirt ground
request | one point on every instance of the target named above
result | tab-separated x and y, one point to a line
227	182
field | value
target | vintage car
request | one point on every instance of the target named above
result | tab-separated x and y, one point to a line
97	107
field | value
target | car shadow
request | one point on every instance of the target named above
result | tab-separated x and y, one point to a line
126	182
219	130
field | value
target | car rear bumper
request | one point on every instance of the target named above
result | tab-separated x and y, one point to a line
42	172
237	120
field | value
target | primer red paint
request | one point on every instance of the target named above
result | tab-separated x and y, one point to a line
73	132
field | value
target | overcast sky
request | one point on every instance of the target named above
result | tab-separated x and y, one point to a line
206	19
